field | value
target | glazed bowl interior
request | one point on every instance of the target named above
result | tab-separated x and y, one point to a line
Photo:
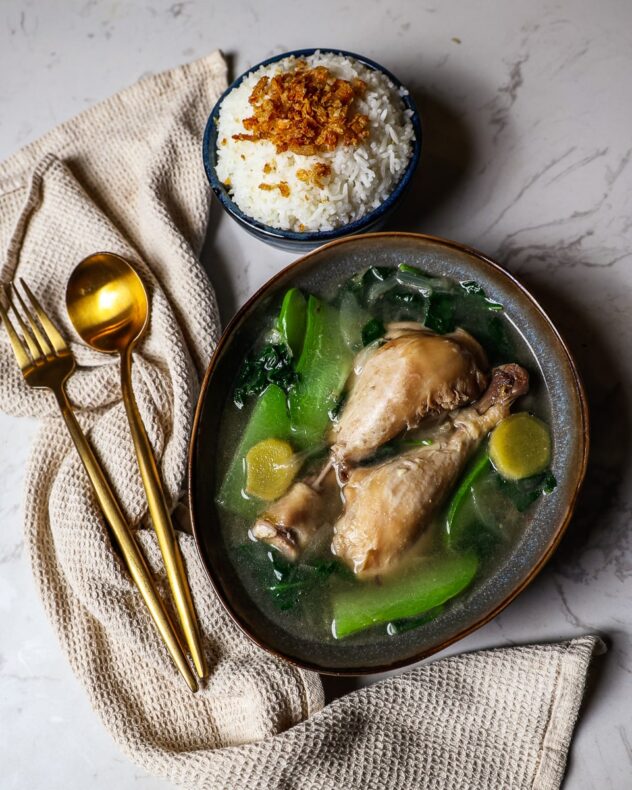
546	519
294	240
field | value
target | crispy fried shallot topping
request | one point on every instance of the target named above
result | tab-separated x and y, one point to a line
306	111
315	174
282	186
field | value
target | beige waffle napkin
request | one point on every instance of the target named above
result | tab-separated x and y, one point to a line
126	176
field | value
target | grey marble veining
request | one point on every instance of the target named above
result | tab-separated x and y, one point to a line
527	111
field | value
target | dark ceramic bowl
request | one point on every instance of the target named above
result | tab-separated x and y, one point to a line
564	405
287	239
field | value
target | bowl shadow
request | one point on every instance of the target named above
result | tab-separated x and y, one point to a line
447	158
594	523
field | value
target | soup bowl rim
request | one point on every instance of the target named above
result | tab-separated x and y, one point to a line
547	551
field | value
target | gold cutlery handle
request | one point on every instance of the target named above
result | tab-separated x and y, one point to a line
161	518
134	559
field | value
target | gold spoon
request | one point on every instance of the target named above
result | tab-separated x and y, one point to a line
109	308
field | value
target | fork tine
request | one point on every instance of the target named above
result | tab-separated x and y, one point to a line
33	346
24	361
40	337
53	336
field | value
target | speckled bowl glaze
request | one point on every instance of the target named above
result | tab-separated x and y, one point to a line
547	518
290	240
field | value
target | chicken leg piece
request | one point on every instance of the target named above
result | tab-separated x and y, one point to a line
389	505
414	374
290	523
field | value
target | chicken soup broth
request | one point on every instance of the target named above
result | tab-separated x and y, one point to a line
381	445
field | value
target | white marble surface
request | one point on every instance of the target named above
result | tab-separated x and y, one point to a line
527	109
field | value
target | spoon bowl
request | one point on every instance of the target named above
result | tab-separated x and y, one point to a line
107	303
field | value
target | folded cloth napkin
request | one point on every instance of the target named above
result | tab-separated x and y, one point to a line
126	176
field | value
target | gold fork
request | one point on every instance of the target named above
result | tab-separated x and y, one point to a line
46	361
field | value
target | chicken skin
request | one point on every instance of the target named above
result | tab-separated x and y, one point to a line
389	505
290	523
416	373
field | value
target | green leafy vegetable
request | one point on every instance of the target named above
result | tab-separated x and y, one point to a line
269	418
271	365
441	316
455	523
323	369
447	310
492	333
362	283
288	583
472	288
427	584
499	339
372	330
478	514
291	320
409	294
524	493
398	294
301	579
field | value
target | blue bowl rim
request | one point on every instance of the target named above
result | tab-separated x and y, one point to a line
209	154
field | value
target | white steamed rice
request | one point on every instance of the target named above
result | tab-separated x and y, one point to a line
361	177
